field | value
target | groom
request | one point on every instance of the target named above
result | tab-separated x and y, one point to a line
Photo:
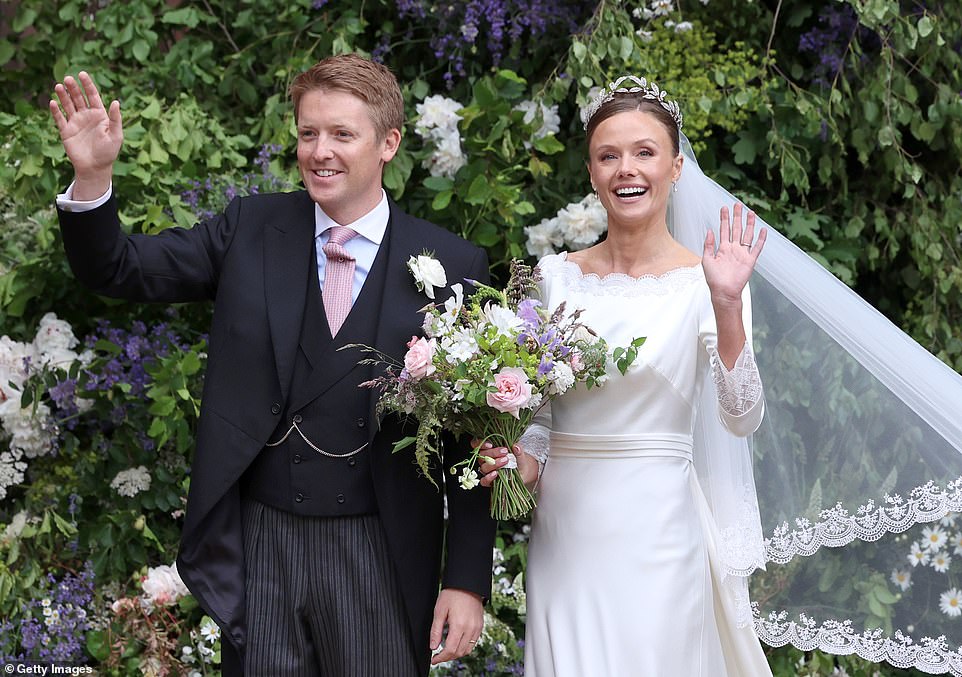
316	550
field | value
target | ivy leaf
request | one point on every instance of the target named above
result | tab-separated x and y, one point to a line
745	151
926	26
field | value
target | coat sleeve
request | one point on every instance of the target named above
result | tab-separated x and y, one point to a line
177	264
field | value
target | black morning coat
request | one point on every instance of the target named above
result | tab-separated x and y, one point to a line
252	261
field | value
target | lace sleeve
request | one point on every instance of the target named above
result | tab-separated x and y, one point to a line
534	441
741	399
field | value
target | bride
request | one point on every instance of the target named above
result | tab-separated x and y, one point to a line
626	575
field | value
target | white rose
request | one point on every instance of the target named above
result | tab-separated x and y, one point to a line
428	274
163	584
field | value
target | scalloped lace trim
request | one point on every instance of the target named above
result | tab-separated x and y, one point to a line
932	656
837	527
619	284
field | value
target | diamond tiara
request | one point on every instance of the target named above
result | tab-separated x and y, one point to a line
635	85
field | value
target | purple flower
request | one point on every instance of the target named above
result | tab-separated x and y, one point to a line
545	366
527	312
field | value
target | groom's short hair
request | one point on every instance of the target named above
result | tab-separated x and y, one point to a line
373	83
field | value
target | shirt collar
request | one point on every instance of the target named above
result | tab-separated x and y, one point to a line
371	226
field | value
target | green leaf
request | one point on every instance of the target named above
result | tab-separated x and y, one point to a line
141	50
579	50
438	183
442	200
479	190
403	443
926	26
24	18
185	16
97	645
548	145
745	151
6	51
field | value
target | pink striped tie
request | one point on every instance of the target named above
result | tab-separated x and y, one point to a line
338	278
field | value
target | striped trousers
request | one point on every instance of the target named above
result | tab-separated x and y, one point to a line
323	599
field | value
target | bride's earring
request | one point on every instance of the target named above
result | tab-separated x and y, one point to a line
674	186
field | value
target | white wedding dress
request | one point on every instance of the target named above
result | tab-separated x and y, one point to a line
623	574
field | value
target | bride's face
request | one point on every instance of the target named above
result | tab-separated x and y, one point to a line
632	165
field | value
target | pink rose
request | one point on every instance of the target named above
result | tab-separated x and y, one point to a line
576	362
513	391
419	360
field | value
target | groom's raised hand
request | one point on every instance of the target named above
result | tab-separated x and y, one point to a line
90	133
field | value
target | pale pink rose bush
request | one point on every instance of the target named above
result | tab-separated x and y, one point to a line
485	366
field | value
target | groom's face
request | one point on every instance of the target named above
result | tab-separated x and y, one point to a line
340	155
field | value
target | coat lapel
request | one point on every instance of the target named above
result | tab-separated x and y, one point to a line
399	318
288	247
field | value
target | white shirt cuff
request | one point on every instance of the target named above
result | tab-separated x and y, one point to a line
66	202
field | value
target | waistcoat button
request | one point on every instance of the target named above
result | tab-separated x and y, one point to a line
299	498
297	458
340	498
275	408
297	418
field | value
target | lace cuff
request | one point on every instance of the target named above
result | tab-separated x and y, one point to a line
739	390
535	441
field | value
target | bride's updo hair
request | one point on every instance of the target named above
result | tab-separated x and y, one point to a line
623	102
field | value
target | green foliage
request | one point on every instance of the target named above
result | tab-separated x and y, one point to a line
855	159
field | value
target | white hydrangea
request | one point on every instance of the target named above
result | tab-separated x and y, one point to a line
14	360
550	120
576	226
30	428
683	26
13	530
438	123
132	481
11	470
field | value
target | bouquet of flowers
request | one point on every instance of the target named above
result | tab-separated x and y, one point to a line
485	366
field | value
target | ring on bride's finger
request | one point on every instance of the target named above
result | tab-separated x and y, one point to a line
745	244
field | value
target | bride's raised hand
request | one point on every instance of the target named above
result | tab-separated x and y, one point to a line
91	134
727	270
